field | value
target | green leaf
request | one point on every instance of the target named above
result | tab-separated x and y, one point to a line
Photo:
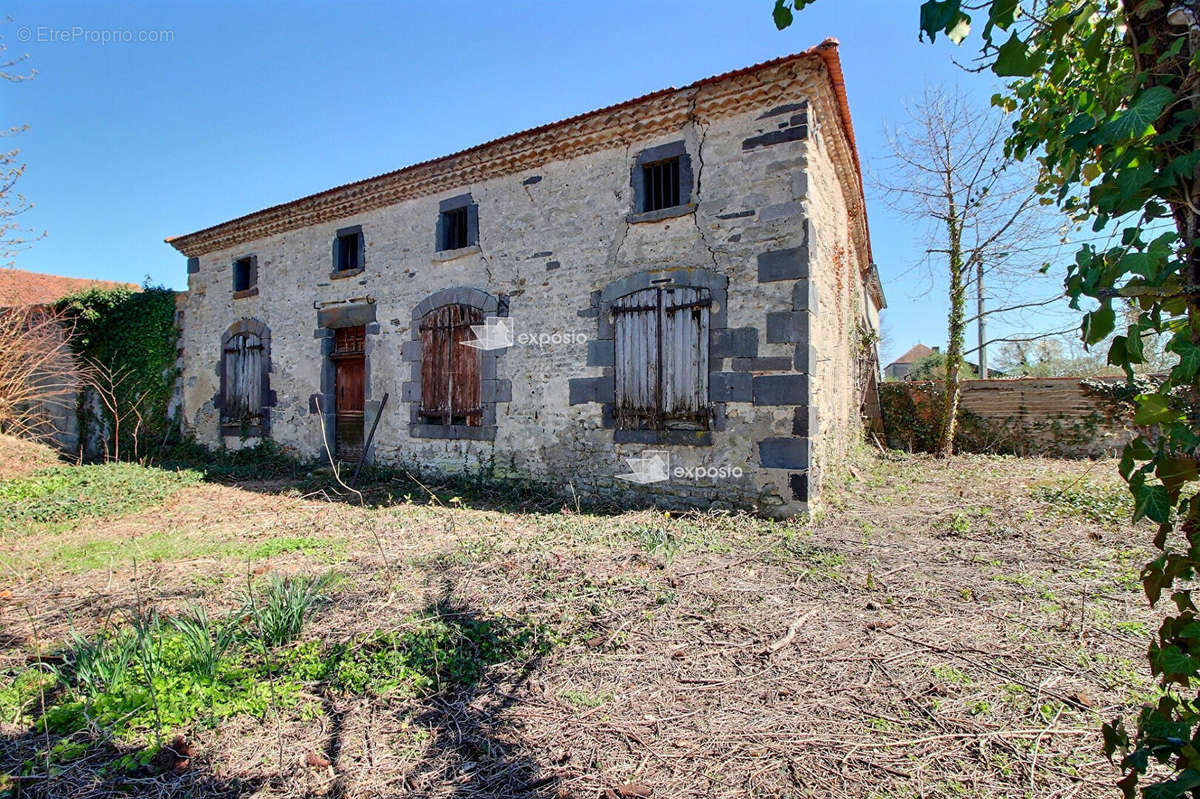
1003	12
1154	409
1138	119
1098	324
781	14
1152	502
1174	662
1189	357
1013	59
942	16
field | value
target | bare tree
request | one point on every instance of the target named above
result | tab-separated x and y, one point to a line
37	372
12	204
107	385
949	172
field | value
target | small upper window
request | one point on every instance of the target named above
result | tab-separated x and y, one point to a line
458	223
348	250
244	273
661	185
662	182
454	229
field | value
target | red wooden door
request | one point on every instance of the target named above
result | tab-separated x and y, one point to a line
349	389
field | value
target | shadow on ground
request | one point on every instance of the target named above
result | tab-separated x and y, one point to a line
466	749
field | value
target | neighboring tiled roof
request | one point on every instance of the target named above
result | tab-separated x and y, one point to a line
912	356
648	115
18	287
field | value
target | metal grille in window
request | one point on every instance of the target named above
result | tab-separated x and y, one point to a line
454	229
661	366
660	182
450	376
242	361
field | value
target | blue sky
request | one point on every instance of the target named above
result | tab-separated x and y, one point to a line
242	107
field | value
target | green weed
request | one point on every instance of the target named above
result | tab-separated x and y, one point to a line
64	494
278	611
1109	505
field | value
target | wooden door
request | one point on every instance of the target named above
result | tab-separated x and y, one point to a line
349	390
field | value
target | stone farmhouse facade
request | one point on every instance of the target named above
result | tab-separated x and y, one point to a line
670	300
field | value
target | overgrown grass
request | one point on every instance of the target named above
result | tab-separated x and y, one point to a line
64	494
1105	504
139	684
265	461
428	654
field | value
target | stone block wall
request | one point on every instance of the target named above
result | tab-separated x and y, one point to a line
765	227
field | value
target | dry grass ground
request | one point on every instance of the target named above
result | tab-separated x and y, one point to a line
944	629
20	457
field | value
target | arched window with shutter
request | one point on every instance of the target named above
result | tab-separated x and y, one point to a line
245	364
450	375
661	358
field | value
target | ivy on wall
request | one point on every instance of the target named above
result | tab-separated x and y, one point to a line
132	338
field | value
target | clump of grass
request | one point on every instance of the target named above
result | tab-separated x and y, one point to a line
656	540
207	642
305	545
67	493
278	611
1108	505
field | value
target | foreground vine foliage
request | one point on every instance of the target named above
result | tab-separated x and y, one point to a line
1105	96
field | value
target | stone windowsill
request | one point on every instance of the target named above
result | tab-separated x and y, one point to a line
687	438
450	255
250	292
452	431
635	217
340	275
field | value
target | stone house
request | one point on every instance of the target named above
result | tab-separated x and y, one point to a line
670	300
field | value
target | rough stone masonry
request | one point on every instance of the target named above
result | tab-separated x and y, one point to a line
551	233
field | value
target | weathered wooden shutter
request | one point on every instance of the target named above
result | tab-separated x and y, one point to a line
450	376
243	380
636	366
661	368
684	313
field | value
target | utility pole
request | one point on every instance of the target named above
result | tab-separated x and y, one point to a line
983	370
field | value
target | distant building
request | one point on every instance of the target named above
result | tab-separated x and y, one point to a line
20	289
899	368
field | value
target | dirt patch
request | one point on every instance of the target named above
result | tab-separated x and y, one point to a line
944	629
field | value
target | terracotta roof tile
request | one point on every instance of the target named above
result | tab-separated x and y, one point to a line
18	287
915	354
826	51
